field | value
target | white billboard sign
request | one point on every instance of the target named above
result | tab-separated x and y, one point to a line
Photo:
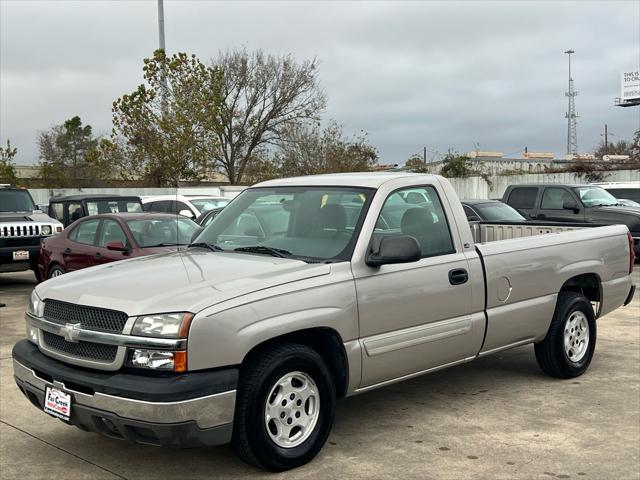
630	85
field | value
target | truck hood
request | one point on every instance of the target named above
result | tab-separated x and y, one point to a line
188	280
633	211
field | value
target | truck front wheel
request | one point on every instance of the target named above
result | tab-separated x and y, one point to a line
284	409
568	347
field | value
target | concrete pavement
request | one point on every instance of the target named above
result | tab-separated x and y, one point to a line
498	417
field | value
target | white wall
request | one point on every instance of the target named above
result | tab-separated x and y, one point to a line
477	187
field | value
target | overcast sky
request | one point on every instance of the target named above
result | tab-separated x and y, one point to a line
440	74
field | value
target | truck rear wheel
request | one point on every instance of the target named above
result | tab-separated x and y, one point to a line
284	409
568	347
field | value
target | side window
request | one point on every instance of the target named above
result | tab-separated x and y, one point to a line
133	207
85	232
111	232
553	198
56	210
162	206
181	206
426	221
523	197
74	210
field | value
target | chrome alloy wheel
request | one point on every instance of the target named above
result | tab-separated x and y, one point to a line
576	336
292	409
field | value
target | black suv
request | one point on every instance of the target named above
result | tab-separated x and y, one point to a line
573	204
73	207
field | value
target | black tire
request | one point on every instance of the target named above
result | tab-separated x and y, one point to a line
551	354
251	440
56	269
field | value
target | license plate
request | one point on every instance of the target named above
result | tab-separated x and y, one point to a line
57	403
21	255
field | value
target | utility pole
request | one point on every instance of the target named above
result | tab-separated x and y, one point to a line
161	24
606	139
161	46
424	155
571	115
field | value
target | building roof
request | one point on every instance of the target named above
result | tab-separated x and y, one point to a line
361	179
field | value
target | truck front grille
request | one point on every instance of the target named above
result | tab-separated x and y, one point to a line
89	318
82	350
19	230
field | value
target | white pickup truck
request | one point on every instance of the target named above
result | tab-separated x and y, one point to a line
303	291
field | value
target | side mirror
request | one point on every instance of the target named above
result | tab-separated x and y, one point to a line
186	213
117	247
570	204
395	249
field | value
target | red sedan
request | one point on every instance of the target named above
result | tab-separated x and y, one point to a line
105	238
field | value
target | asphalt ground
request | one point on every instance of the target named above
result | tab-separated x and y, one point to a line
495	418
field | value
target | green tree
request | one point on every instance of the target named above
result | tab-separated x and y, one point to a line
64	150
621	147
167	129
308	150
415	163
456	165
7	167
265	97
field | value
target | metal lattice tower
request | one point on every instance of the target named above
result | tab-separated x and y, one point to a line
571	115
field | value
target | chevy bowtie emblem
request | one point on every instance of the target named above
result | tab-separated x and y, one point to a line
71	332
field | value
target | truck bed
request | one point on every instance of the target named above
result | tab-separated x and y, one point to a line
485	232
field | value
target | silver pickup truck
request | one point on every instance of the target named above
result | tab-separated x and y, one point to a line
300	292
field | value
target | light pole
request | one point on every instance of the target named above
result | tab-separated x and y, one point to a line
161	25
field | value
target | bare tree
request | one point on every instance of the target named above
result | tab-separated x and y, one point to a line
264	96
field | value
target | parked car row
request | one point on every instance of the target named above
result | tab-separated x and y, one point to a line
551	203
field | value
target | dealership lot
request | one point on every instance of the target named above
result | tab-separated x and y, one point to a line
498	417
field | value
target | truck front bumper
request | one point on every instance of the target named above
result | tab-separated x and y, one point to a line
188	410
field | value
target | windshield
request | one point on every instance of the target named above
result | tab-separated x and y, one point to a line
309	223
16	201
206	204
595	197
498	212
158	232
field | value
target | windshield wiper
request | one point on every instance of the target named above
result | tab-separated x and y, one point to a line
210	246
274	252
164	244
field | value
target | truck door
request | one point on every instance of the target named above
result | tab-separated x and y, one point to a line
417	316
555	206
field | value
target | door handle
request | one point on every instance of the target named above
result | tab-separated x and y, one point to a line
458	276
97	255
67	250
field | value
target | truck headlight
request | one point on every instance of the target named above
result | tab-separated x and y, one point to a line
46	230
36	305
158	360
169	325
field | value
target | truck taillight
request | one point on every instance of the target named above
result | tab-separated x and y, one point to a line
632	255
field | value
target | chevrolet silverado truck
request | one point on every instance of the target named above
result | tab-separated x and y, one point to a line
303	291
22	228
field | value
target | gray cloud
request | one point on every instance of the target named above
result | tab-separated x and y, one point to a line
440	74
